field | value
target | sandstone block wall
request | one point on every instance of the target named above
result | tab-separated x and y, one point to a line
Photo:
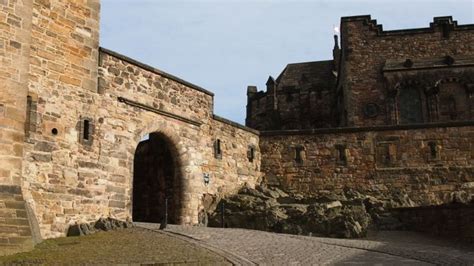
15	27
62	87
120	77
366	48
430	165
70	124
85	171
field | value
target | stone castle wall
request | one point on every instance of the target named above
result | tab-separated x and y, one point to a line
62	87
302	97
73	179
366	48
15	28
430	165
72	116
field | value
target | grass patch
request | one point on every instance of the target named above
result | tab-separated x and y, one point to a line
134	245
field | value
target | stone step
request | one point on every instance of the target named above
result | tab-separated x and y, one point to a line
6	196
14	204
16	221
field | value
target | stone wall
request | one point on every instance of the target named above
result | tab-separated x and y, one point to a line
451	220
85	171
15	41
62	87
430	165
302	97
366	49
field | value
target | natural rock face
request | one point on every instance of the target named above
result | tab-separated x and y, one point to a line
103	224
347	215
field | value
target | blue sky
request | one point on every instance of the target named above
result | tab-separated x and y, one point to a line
226	45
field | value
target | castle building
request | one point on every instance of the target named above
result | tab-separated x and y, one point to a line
391	113
377	78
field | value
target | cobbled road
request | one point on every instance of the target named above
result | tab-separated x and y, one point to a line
249	247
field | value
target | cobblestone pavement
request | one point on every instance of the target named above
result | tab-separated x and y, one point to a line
385	248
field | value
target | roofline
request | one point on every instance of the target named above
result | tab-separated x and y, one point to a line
235	124
154	70
367	20
284	69
307	62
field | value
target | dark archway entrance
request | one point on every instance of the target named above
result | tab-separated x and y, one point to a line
155	179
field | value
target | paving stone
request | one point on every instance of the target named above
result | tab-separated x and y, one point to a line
266	248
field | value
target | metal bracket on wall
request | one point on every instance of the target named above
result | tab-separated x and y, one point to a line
158	111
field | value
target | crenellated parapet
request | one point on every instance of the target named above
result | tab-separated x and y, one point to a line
445	24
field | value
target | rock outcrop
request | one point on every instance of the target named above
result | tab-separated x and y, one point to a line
103	224
347	215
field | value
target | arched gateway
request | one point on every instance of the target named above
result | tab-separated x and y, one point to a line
156	178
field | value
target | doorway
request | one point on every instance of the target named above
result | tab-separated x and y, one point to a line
155	181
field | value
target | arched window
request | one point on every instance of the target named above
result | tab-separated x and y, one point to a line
410	106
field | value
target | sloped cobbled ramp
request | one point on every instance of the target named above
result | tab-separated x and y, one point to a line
249	247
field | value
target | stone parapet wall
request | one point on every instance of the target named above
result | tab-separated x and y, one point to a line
234	165
430	165
452	221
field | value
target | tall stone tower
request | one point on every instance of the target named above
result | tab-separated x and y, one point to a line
48	52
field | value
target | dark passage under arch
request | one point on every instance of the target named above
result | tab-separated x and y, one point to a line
155	179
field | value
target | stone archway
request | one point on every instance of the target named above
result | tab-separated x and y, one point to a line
156	177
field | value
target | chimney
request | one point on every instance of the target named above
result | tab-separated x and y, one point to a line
336	53
272	92
251	92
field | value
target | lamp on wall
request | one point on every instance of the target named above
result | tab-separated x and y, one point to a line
206	178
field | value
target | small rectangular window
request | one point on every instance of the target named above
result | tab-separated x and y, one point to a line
299	154
386	155
86	130
433	150
251	153
341	154
217	149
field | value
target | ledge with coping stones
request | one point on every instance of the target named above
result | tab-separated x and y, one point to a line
321	131
235	124
154	70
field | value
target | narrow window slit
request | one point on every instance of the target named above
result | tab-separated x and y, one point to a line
86	130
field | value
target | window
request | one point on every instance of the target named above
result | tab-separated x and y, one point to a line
410	106
386	154
433	150
86	131
217	149
251	153
341	154
299	154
